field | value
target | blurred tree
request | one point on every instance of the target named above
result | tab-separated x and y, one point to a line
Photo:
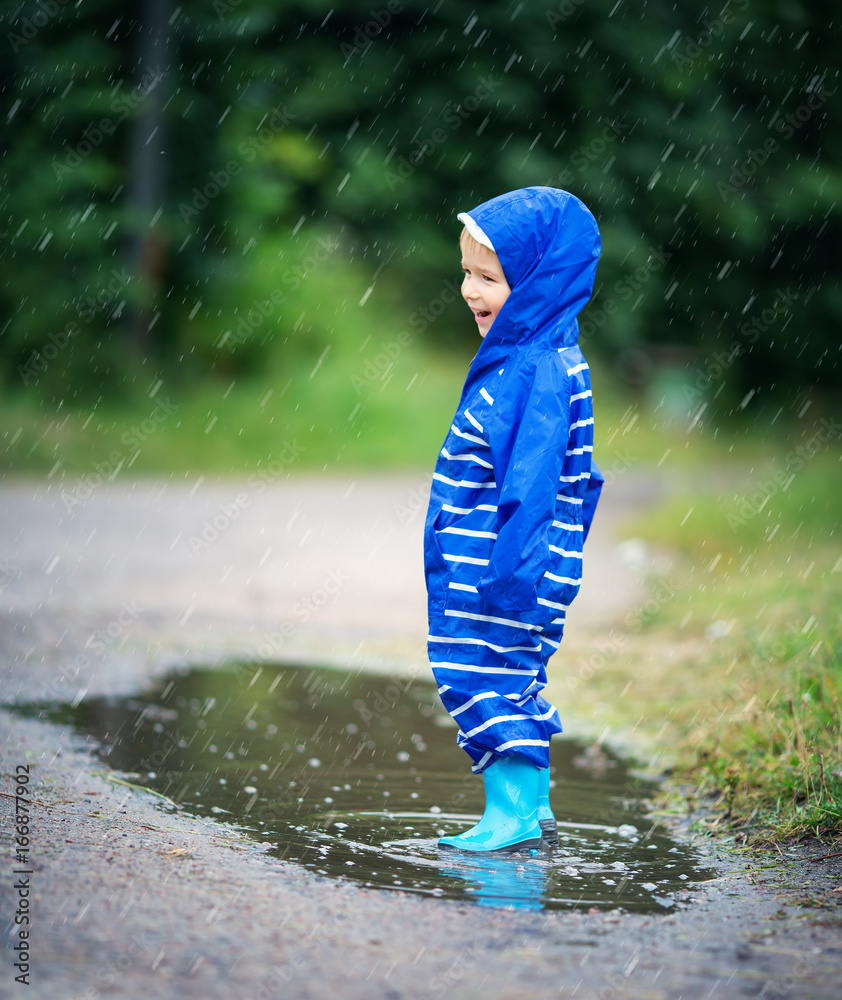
705	140
147	167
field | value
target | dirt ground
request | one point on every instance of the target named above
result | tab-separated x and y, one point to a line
103	589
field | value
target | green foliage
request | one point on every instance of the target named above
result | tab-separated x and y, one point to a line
705	142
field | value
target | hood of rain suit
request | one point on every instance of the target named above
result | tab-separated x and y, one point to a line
548	244
527	400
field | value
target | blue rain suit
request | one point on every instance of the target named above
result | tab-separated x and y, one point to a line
515	486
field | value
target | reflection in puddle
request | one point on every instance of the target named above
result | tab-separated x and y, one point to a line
357	776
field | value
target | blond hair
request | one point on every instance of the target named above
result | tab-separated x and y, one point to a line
466	241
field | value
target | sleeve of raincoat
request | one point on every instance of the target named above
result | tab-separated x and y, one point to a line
528	437
591	498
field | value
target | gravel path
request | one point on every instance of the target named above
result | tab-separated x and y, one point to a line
128	899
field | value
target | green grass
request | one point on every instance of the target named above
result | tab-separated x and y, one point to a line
230	427
358	409
743	663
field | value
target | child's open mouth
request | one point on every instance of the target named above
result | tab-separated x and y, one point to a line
482	315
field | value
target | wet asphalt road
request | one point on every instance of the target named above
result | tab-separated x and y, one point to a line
129	899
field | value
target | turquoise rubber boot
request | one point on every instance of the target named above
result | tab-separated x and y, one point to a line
510	821
546	820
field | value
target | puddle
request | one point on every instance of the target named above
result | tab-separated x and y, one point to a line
356	776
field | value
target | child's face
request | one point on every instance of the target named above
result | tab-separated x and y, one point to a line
484	286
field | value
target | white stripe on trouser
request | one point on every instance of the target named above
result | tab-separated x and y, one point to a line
490	676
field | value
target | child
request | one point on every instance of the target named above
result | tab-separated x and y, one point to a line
513	495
